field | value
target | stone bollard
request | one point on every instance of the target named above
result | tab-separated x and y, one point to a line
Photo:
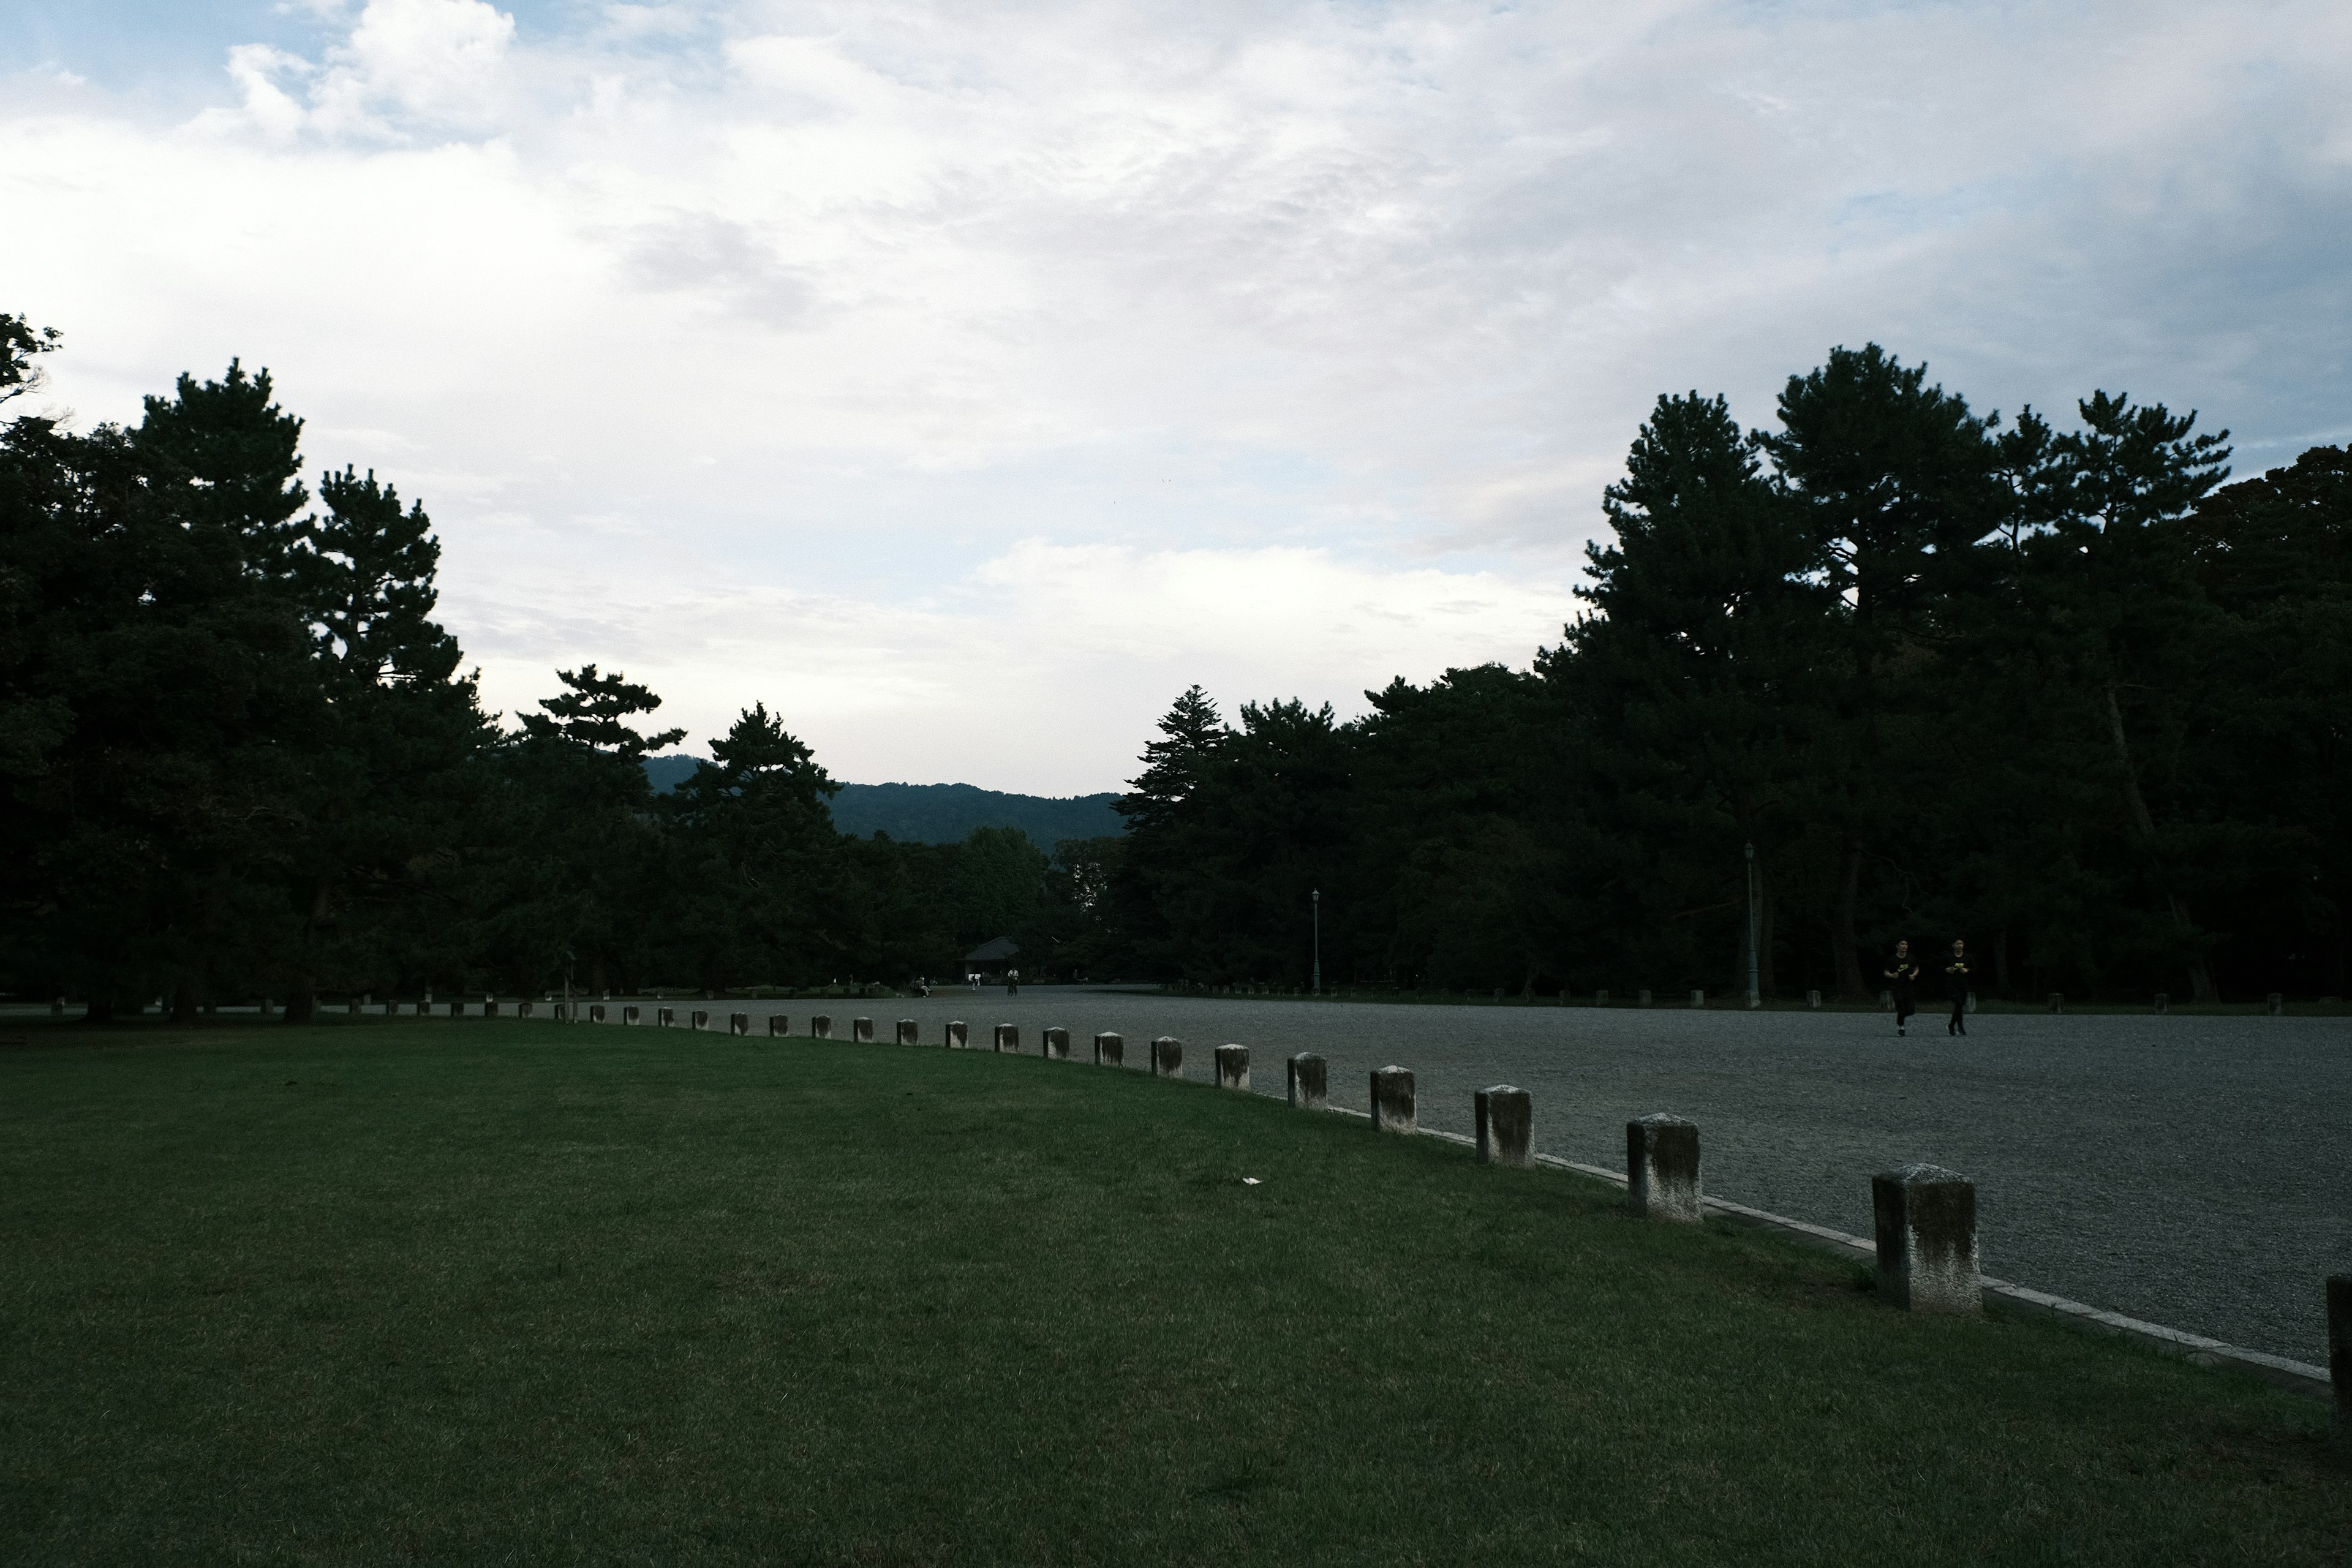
630	1016
1110	1050
352	1008
779	1026
1167	1056
2163	1001
1309	1076
522	1009
1600	998
862	1030
1506	1125
423	1009
1698	998
700	1018
1392	1099
909	1032
958	1037
664	1017
2339	1351
1057	1044
739	1022
1232	1066
595	1012
1641	999
1008	1037
2057	1001
2273	1002
820	1027
1927	1222
1662	1172
1813	999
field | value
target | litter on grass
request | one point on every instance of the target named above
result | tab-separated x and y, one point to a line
1249	1181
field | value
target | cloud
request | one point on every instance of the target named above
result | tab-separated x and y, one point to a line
659	303
1042	665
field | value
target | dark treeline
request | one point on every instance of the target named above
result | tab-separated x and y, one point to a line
240	759
2058	690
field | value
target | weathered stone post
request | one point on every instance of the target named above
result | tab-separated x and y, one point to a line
701	1018
630	1016
1167	1056
1813	999
958	1037
1506	1125
1661	1169
1057	1044
1232	1066
909	1032
1392	1099
862	1030
392	1008
2339	1351
821	1026
2163	1001
1927	1222
522	1008
595	1012
456	1009
1698	998
665	1017
1110	1050
1008	1037
2057	1001
779	1026
1308	1077
2273	1002
739	1022
1642	999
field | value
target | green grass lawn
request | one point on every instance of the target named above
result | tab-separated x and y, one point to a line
484	1291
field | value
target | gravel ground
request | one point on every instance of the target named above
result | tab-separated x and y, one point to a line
2193	1171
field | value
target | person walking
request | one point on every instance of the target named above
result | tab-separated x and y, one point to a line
1955	978
1903	980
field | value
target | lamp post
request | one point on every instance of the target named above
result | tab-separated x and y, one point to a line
1317	901
1755	996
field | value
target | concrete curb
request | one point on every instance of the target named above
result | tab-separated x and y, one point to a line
2295	1376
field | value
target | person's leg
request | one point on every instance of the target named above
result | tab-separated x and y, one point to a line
1958	1025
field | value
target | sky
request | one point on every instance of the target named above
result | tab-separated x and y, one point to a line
965	380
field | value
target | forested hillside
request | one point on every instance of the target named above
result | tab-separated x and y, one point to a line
940	813
2060	689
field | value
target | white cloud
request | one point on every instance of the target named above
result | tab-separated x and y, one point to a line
845	301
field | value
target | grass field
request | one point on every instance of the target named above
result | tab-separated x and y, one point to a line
507	1292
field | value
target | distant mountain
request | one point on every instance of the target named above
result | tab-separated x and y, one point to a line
941	813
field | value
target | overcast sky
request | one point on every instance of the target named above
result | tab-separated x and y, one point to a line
965	381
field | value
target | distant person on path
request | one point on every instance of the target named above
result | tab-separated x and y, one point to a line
1903	978
1956	977
1012	982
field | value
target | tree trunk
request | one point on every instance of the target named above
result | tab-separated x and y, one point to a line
2200	979
1765	979
184	1001
1845	948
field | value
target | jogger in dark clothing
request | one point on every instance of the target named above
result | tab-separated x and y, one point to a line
1903	978
1956	976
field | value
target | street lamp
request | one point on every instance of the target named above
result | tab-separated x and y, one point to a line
1317	899
1755	996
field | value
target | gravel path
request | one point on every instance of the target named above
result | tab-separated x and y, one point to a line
2191	1172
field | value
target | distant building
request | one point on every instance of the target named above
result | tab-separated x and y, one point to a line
992	957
